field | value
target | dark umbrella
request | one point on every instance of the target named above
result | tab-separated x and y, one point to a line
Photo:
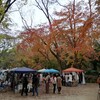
23	70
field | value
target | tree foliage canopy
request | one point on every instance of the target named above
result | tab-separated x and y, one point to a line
69	39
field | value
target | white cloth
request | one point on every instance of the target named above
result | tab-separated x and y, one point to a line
47	79
19	87
41	77
76	77
70	78
54	80
83	81
66	77
29	86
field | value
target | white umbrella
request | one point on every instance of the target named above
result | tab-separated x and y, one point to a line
41	70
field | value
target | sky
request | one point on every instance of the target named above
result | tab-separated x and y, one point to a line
29	11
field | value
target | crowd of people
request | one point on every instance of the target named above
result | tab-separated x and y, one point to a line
31	82
57	81
48	79
73	79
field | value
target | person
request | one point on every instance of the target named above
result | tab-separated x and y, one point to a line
98	80
80	78
59	83
63	80
24	85
70	79
66	79
47	83
83	79
76	76
74	81
35	84
54	82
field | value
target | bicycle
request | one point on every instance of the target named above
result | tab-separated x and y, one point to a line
98	95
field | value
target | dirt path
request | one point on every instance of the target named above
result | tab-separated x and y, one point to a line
81	92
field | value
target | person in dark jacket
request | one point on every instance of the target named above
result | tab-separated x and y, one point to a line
24	85
35	84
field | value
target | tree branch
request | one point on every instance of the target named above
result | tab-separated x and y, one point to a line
8	4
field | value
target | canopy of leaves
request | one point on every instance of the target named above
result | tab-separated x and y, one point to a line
69	39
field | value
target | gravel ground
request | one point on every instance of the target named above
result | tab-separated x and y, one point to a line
81	92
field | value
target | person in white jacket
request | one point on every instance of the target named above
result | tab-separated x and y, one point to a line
70	79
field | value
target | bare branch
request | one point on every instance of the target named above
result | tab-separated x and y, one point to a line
23	19
8	4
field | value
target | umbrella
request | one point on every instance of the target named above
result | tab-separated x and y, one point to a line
53	71
23	70
72	70
48	71
13	69
41	70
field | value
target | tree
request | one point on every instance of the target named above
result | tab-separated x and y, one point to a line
75	27
4	7
68	39
32	44
7	50
98	5
44	6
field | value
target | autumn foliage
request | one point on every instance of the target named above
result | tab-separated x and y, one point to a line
69	40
